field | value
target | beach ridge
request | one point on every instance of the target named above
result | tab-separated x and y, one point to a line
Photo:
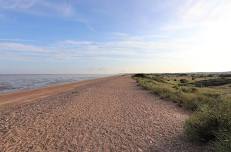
106	114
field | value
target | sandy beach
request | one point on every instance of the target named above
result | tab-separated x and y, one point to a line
105	114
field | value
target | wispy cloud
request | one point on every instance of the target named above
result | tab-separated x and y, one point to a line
64	9
20	47
38	7
132	47
15	40
17	4
194	34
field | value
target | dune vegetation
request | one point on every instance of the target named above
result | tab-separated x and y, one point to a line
207	95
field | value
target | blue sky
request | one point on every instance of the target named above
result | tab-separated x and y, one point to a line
114	36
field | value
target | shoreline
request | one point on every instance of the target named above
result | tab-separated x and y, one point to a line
32	81
32	94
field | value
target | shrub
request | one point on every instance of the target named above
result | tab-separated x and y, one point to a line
201	126
182	74
176	87
223	143
211	121
140	75
194	90
212	124
210	75
223	136
157	78
225	75
212	82
183	81
189	89
190	101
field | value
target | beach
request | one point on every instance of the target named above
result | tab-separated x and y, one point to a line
105	114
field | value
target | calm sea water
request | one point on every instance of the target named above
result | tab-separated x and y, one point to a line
10	83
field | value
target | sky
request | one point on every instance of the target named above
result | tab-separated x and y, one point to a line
114	36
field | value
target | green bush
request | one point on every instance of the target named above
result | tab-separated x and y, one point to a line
190	101
211	121
212	124
223	136
223	143
202	125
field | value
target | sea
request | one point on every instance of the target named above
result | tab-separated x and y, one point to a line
16	82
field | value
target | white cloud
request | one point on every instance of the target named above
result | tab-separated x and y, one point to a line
16	40
129	48
197	39
19	47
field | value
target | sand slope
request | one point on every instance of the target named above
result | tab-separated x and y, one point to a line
109	114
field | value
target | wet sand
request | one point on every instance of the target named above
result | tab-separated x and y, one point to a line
106	114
